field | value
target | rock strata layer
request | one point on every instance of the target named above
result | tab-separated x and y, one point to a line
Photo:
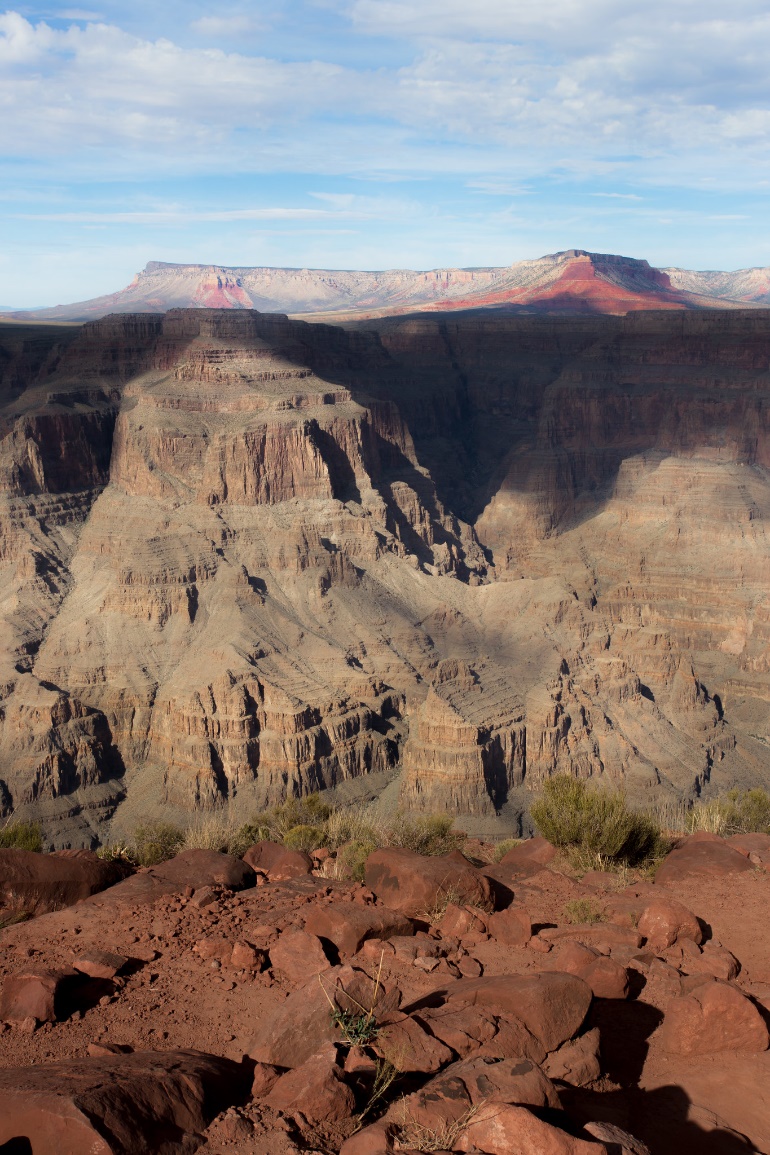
244	557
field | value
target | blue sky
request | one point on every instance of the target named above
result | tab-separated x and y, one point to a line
376	134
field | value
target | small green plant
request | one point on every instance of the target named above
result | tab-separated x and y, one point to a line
351	859
304	837
358	1029
21	836
571	814
155	842
503	847
582	911
357	1023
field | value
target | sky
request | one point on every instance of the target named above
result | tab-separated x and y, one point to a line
377	134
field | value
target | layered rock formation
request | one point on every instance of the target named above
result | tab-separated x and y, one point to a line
244	557
573	281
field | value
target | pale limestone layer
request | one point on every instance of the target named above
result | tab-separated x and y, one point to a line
243	557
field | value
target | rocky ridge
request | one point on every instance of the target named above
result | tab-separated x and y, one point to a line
574	281
245	557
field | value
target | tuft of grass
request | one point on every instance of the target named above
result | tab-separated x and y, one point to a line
13	917
385	1075
155	842
21	836
445	897
418	1137
116	852
503	847
571	814
580	911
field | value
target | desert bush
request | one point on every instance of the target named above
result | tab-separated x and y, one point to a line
21	836
351	859
748	812
304	837
213	831
572	815
155	842
503	847
429	834
355	824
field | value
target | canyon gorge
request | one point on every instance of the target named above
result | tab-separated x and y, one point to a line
245	556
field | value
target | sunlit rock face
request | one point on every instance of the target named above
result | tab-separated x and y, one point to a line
243	557
573	281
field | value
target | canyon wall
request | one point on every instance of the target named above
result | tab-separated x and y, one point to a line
244	557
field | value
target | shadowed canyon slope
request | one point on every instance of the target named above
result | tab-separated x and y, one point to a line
243	556
573	281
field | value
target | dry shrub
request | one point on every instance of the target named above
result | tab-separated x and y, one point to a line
431	834
418	1137
155	842
572	815
21	836
581	911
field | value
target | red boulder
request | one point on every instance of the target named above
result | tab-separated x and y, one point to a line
349	925
277	862
665	921
418	885
696	857
44	882
113	1103
713	1017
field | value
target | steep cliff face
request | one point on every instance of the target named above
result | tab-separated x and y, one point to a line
243	556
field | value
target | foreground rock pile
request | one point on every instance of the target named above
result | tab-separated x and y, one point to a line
263	1006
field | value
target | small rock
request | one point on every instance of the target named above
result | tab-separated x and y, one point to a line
665	922
316	1088
99	964
298	955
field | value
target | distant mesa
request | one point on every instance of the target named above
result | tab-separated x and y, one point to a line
572	282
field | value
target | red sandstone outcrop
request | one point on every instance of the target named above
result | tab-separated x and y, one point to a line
522	1055
570	281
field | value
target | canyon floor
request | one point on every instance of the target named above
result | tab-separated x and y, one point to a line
197	1005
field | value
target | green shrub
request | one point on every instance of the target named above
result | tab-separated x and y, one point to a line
503	847
747	812
304	838
573	816
156	842
21	836
352	857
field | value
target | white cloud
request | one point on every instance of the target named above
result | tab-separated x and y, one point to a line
500	90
